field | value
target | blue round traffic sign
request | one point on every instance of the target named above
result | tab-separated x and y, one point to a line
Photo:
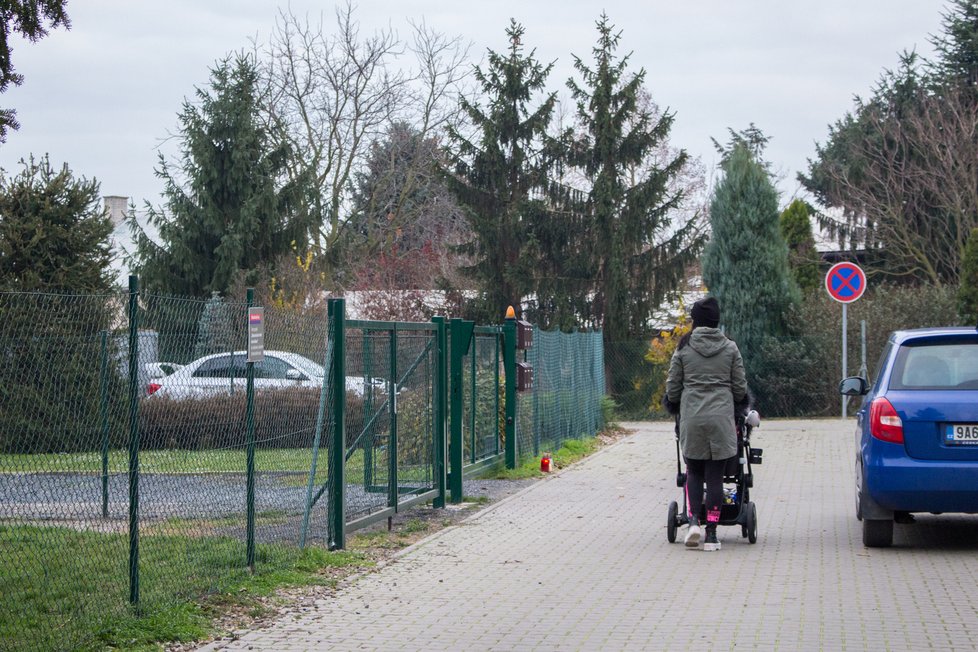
845	282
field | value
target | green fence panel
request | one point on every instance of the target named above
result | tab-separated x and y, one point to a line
482	400
62	392
107	400
568	386
392	418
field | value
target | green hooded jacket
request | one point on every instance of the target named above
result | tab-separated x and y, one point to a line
706	377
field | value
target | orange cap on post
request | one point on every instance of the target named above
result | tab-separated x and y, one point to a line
510	313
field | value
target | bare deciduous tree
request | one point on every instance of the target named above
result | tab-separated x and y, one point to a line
330	95
916	195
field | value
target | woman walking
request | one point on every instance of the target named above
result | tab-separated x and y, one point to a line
706	379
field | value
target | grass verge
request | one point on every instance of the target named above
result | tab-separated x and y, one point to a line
64	589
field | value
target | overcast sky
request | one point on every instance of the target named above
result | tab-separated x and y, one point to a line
103	96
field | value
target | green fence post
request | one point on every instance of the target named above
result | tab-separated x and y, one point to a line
473	400
509	369
133	440
337	452
495	390
392	480
461	332
104	409
441	397
538	372
250	459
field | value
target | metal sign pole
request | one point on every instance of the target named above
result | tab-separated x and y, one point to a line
845	282
845	353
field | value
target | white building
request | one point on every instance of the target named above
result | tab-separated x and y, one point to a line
123	245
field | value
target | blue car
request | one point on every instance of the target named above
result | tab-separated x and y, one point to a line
917	430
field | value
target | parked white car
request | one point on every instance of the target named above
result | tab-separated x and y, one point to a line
156	370
226	373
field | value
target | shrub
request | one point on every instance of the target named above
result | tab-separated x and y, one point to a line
52	353
659	355
283	419
968	292
415	428
799	375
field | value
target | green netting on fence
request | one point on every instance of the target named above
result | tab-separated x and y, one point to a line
568	385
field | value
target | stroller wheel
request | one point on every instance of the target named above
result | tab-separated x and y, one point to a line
672	523
751	526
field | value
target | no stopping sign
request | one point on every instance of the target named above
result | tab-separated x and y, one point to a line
845	282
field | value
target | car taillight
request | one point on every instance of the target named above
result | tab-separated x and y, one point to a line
152	387
884	423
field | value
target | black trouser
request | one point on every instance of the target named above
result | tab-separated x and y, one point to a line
712	472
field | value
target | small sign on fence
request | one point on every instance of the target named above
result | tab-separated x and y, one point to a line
256	334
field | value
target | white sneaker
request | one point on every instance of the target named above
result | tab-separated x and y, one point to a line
693	535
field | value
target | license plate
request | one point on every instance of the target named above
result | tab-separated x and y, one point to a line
958	434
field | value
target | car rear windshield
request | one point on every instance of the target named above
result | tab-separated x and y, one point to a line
936	365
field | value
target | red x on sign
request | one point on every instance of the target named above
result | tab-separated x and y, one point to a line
845	282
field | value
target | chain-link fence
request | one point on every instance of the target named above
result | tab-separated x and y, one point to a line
568	386
63	405
120	484
144	461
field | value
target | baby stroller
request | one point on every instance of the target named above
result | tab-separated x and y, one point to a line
737	508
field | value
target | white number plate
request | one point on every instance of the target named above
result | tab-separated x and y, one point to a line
959	434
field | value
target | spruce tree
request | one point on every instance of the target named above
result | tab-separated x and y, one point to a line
633	254
497	174
226	210
968	290
54	236
796	229
957	46
745	265
55	305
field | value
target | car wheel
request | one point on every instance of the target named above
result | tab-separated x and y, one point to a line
672	523
877	533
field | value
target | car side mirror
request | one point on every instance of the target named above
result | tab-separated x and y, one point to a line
294	374
854	386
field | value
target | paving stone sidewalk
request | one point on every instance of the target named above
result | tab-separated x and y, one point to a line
580	561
